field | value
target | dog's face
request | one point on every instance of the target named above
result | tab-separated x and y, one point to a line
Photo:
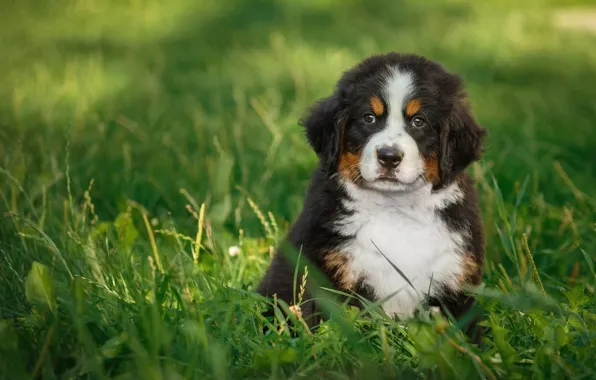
395	123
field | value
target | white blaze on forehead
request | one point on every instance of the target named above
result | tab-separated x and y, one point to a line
398	87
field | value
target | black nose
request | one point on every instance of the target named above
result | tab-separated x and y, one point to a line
389	156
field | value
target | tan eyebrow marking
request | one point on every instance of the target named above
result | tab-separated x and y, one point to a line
377	105
413	107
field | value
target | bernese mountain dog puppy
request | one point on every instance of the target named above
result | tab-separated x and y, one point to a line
390	213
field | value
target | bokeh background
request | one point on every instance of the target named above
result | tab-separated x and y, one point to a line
179	102
206	95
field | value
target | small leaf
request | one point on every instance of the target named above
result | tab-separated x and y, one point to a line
577	297
561	335
126	230
39	288
352	312
500	334
589	318
99	229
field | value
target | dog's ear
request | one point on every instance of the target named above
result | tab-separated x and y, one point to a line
461	142
323	127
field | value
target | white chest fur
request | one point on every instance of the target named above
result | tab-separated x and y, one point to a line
408	231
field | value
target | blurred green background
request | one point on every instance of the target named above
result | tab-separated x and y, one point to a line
146	98
155	96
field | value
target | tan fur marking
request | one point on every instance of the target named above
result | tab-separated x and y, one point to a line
337	264
413	107
431	168
349	166
470	273
376	104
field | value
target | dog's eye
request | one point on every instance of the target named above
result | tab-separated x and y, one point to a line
418	122
369	118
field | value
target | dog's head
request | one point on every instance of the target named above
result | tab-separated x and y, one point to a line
395	122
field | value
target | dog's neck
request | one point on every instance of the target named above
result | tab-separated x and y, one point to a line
422	198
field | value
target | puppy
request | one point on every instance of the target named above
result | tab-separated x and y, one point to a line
390	213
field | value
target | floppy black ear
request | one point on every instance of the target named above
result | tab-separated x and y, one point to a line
461	142
323	131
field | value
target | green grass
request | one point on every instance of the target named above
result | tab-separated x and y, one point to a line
120	119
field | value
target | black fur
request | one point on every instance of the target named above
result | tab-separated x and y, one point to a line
461	140
323	131
333	126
